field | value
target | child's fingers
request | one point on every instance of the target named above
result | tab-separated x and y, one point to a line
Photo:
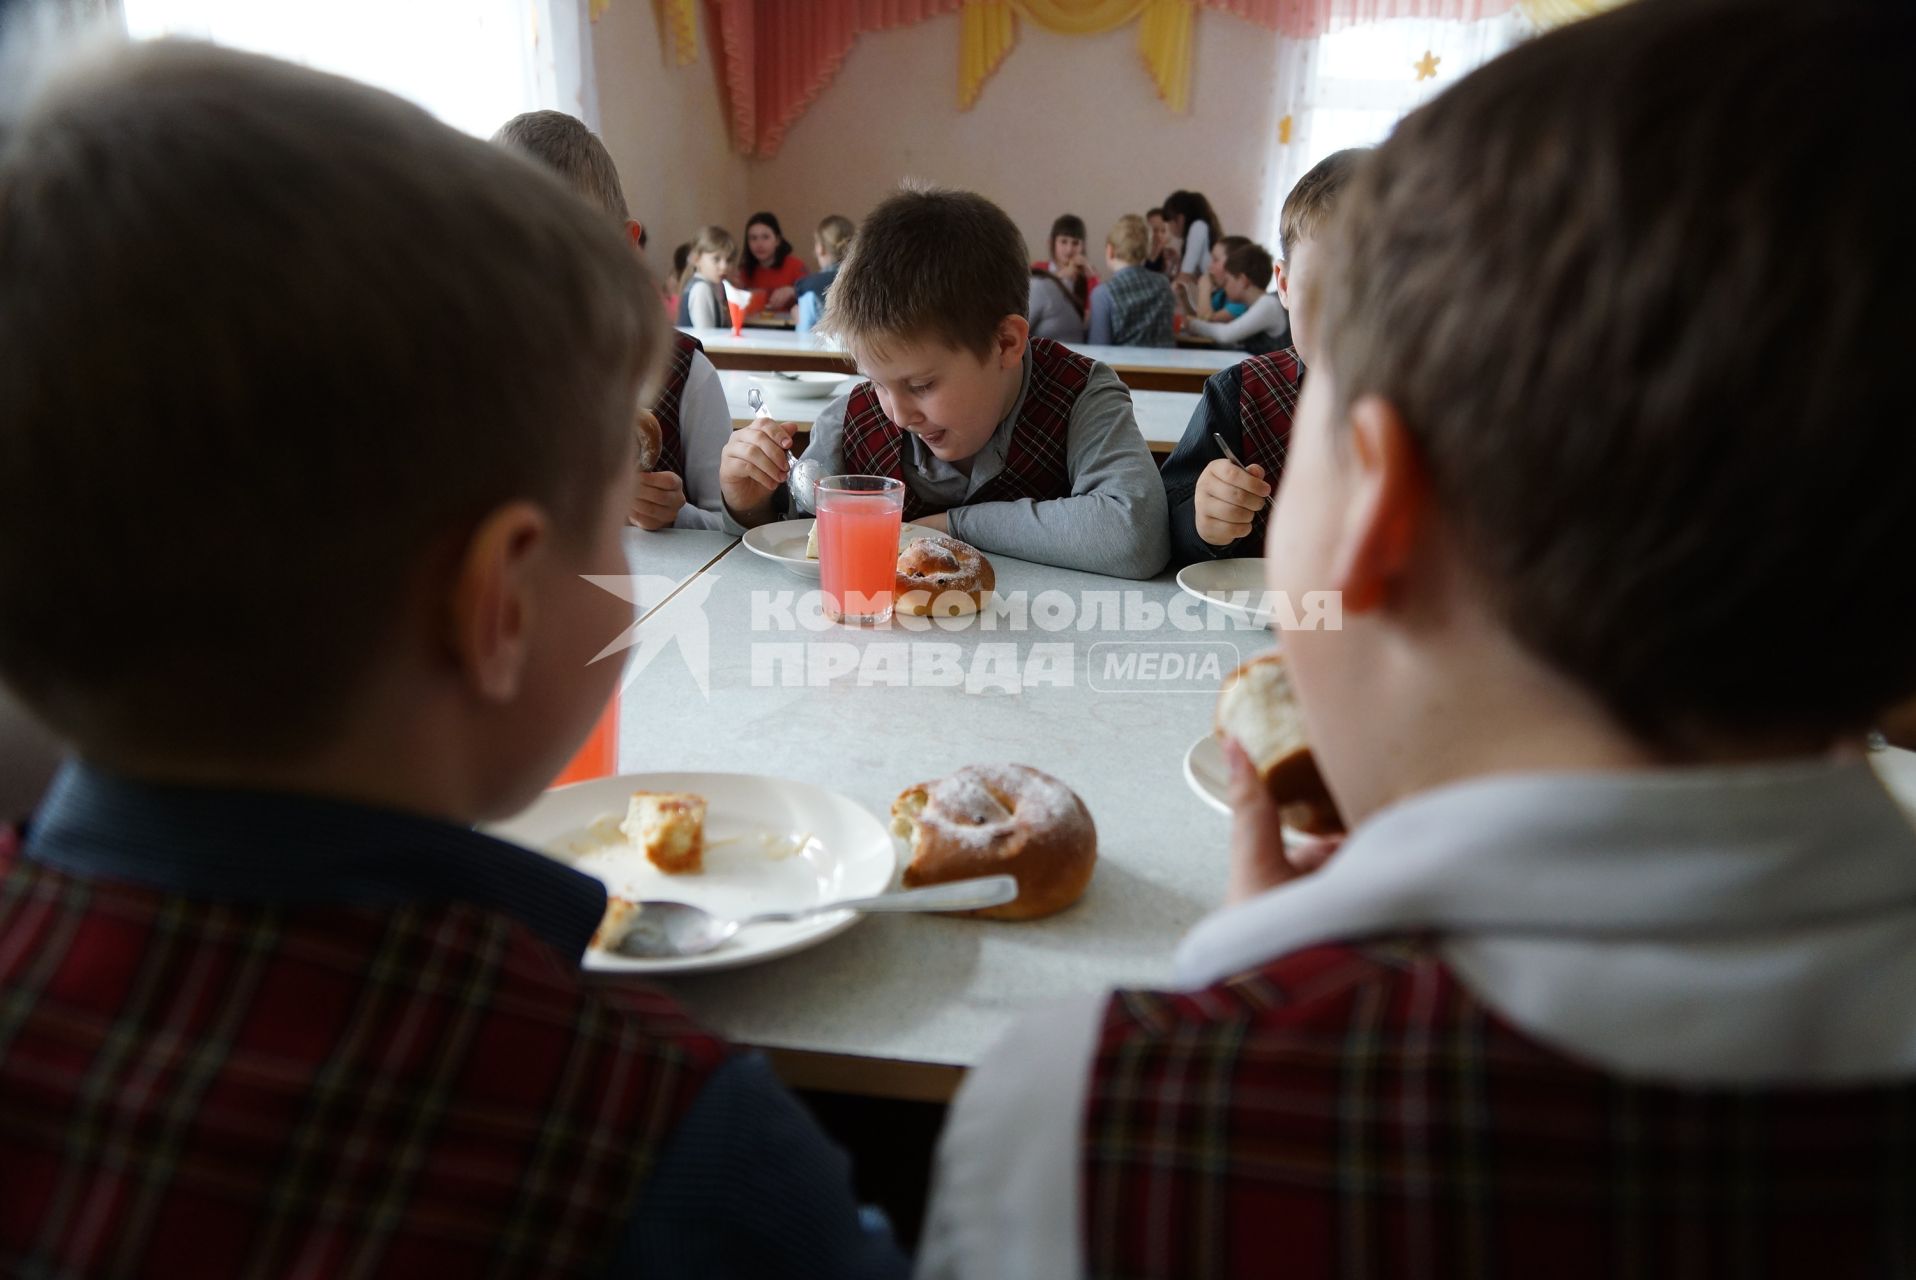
1258	859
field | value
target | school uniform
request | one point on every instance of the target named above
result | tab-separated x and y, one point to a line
252	1034
1065	479
1135	308
694	423
1569	1025
703	306
1251	404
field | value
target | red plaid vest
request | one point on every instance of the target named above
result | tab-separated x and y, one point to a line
1355	1112
666	410
1036	463
1268	387
193	1089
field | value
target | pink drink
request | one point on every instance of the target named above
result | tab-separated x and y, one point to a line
858	520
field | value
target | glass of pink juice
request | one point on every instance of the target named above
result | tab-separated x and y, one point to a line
858	519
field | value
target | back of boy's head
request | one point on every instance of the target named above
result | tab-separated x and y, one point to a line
1130	239
1231	244
563	144
275	342
1307	209
930	265
1253	262
1651	331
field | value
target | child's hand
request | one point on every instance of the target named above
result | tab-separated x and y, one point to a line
782	299
1260	859
752	468
656	501
1228	498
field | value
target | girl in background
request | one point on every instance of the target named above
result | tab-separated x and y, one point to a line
770	267
702	291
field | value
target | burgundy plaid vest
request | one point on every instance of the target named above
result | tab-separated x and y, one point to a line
1035	461
1268	387
666	410
1355	1112
196	1089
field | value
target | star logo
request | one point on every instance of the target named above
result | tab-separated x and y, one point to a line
656	630
1427	66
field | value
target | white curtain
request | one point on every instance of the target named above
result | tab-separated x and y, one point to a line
473	63
1350	87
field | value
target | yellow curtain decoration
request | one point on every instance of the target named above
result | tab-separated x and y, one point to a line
679	30
1555	13
990	28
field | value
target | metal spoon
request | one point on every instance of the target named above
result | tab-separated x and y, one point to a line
670	930
801	475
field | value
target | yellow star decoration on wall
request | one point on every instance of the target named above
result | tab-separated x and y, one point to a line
1427	66
1284	131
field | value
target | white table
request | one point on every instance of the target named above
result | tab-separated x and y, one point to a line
1162	415
899	1005
661	561
1142	368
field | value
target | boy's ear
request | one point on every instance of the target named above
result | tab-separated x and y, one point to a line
634	232
1014	335
490	611
1283	284
1389	509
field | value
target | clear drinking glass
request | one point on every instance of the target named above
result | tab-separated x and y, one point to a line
858	521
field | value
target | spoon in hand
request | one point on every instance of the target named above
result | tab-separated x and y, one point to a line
801	475
672	930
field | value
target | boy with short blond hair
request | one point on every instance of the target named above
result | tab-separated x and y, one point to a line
338	401
693	418
1135	307
1615	973
1218	508
1014	444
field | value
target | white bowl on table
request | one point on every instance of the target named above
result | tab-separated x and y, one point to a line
801	386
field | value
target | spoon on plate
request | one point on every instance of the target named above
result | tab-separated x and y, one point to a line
801	476
673	930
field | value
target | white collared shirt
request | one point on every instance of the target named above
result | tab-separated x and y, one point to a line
1731	927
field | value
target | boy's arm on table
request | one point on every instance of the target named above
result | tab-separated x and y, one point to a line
1114	522
1259	318
705	424
1005	1197
1216	412
749	1185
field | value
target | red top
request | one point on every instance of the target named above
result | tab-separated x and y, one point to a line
766	279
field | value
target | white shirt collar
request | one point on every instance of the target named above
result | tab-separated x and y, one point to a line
1597	910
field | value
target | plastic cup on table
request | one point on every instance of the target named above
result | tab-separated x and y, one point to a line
738	319
598	756
858	523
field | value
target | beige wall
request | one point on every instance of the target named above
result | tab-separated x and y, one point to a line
1067	124
665	128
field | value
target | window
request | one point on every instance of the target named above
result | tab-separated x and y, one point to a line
1349	88
473	63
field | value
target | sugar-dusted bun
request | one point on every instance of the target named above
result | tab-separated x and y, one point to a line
1002	819
1257	708
941	577
645	431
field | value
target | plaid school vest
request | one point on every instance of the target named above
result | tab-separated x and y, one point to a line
1354	1112
1268	387
212	1090
1036	459
671	443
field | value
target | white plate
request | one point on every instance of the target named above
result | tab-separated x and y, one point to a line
802	386
1205	771
1234	586
849	854
1207	774
785	543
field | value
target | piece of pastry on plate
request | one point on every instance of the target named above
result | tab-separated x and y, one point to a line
1258	709
668	827
621	914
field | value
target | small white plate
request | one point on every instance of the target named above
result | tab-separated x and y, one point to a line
802	386
1207	774
785	543
1234	586
753	861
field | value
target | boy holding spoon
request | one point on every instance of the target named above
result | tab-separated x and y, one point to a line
1219	481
